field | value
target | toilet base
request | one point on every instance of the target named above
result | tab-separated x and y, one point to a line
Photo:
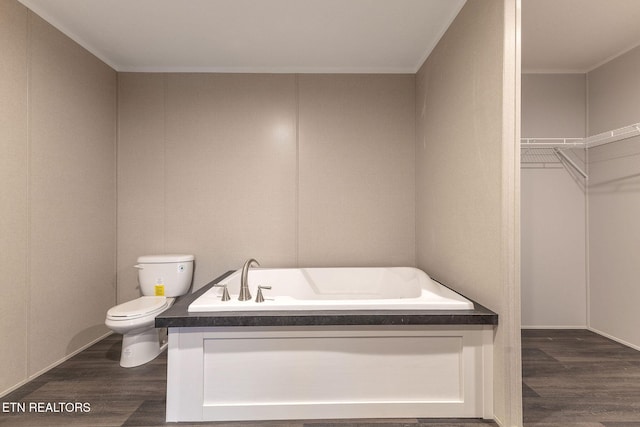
141	347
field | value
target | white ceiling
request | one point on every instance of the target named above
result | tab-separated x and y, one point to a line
365	36
577	35
350	36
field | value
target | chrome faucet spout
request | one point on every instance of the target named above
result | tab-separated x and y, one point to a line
244	280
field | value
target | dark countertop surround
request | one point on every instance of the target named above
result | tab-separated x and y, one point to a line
178	316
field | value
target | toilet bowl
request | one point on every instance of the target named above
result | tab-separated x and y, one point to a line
162	278
135	320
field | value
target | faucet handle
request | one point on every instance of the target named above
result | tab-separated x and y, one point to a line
259	297
225	291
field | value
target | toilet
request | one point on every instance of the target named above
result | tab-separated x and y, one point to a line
162	278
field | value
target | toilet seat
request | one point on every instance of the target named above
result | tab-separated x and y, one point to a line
137	308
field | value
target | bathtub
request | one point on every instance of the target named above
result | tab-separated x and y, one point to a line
329	343
390	288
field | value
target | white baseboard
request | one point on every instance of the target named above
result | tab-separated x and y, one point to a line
554	327
53	365
616	339
587	328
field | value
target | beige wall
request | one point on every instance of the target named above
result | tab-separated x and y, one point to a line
292	170
14	201
614	200
466	176
356	170
140	172
206	165
554	105
554	288
58	195
614	233
614	93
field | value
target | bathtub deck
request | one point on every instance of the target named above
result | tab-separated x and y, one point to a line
178	316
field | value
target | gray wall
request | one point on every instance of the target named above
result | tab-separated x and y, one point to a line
554	289
466	176
614	200
306	170
356	173
554	105
57	195
614	93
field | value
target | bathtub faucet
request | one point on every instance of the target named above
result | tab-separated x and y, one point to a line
244	280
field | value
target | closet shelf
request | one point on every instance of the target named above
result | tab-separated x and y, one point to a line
612	136
552	142
544	151
589	142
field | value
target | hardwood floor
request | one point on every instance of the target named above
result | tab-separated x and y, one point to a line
578	378
571	378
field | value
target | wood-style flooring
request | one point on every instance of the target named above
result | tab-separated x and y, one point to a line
571	378
578	378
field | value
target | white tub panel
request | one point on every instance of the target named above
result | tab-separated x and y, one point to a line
332	370
218	374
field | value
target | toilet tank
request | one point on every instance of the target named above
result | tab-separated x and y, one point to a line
165	275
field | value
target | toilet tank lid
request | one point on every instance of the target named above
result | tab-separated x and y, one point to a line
158	259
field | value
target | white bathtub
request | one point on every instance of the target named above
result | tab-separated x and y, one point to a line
390	288
378	367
